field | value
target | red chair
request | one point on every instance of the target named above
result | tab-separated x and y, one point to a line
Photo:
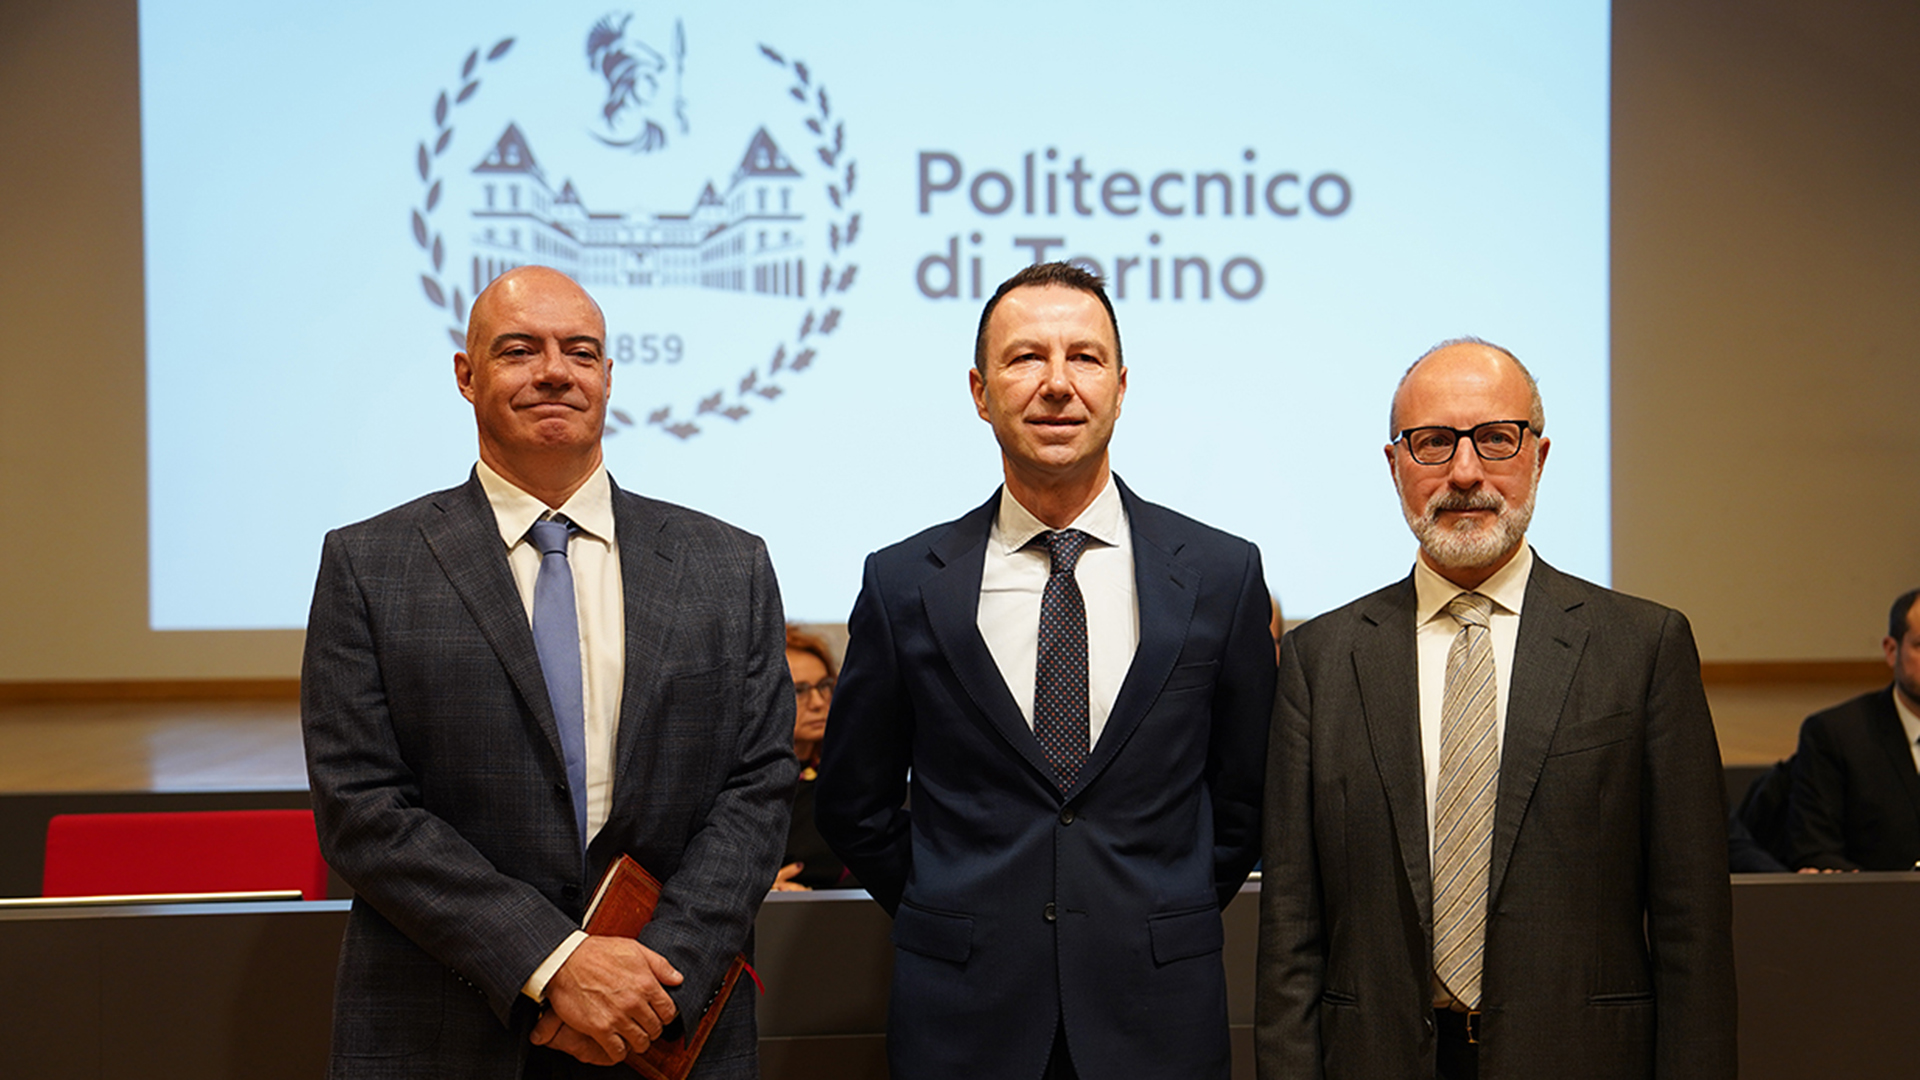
184	851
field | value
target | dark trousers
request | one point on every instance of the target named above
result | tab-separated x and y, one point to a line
1455	1058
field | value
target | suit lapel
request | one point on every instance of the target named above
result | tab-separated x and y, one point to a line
1891	736
1165	589
951	598
650	585
1553	634
465	540
1386	670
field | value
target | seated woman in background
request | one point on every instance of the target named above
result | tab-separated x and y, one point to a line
810	864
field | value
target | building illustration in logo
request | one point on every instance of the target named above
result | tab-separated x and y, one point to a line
743	239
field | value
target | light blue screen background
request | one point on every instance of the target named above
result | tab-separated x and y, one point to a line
299	376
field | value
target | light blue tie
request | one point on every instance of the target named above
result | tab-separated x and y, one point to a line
556	637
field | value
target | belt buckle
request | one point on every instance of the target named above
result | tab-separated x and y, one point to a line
1473	1027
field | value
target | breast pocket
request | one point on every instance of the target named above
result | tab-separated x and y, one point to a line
1583	735
694	713
1197	676
695	696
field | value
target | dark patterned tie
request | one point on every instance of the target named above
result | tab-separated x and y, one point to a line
1060	677
556	638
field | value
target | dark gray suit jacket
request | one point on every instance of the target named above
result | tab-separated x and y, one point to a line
1017	906
441	794
1856	794
1609	948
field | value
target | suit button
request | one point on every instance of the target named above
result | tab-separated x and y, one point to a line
1066	817
1049	914
569	892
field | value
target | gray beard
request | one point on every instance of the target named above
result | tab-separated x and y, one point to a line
1469	545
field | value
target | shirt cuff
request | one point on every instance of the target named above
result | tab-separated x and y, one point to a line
536	984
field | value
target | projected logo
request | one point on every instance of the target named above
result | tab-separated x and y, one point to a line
633	71
720	247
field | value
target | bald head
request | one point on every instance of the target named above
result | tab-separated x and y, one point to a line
519	284
1467	358
1470	511
536	370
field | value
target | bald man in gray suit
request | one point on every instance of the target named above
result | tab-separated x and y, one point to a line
470	817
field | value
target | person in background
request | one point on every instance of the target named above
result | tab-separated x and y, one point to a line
1757	828
1856	777
809	862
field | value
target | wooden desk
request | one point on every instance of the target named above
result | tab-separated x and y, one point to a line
1827	967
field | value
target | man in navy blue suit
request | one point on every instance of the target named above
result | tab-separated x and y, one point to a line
1070	687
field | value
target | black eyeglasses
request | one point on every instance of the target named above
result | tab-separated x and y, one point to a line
825	686
1495	440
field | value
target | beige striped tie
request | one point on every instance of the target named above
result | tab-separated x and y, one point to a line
1463	817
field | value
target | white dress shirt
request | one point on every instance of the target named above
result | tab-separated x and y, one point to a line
600	599
1015	576
1433	636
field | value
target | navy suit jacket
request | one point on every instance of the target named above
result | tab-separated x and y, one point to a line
440	790
1856	794
1017	906
1609	939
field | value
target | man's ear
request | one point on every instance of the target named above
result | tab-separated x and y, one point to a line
977	384
463	374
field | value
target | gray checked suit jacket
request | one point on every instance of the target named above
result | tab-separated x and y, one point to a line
1609	951
441	793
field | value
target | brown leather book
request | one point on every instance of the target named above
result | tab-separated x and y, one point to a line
621	908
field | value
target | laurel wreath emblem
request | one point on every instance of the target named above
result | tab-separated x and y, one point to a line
429	240
791	355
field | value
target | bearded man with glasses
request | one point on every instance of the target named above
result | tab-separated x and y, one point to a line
1495	839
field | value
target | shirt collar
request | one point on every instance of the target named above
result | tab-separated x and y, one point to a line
1014	526
1907	719
1507	588
515	511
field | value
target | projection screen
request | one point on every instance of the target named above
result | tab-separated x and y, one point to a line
792	214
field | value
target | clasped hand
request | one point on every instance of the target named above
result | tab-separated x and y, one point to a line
607	1001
